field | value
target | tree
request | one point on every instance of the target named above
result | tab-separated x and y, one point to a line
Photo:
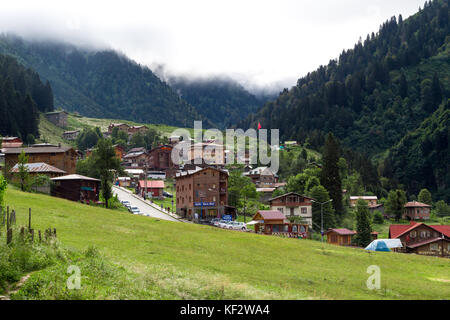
102	165
425	196
330	177
442	209
378	217
320	194
23	170
241	190
363	226
395	203
3	187
403	86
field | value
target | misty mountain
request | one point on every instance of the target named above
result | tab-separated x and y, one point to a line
373	95
103	84
221	100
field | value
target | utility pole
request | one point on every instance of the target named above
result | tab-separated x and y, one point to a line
321	215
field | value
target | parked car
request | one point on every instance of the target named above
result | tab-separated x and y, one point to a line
167	194
135	210
214	221
224	224
237	226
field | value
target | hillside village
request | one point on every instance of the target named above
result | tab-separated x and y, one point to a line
243	197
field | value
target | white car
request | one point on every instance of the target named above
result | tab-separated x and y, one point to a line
237	226
135	210
223	224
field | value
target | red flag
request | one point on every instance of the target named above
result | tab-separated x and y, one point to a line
259	126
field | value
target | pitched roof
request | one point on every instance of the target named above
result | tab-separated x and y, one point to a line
364	197
152	183
37	149
289	193
38	167
271	215
74	177
422	243
397	230
198	169
414	204
342	231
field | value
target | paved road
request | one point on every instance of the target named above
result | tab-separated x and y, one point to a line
143	207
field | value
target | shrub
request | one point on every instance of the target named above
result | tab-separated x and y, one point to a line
378	218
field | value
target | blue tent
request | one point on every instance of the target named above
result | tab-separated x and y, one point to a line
378	245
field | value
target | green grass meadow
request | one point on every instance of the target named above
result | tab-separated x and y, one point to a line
148	258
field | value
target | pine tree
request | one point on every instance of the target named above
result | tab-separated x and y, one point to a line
330	177
403	90
363	224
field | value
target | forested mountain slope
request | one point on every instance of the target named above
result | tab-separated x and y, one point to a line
22	96
374	94
223	101
101	83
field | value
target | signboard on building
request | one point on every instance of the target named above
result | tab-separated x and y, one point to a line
227	218
205	204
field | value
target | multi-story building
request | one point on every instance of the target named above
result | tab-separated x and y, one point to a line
371	200
262	177
415	210
203	193
293	205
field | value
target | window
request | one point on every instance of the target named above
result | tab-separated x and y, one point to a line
413	234
280	209
304	211
434	246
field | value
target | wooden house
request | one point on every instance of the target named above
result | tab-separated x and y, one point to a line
419	238
262	177
76	188
11	142
273	222
71	135
63	158
293	205
371	200
341	237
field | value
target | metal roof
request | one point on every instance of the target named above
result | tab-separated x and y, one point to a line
38	167
37	149
74	177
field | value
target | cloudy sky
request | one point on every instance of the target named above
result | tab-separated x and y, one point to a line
257	42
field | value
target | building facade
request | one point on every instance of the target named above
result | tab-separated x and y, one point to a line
415	210
293	205
419	238
76	188
371	200
203	192
58	118
63	158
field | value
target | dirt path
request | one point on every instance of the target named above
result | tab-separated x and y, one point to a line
17	287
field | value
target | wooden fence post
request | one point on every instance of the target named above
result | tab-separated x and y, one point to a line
32	235
9	234
13	217
29	218
40	236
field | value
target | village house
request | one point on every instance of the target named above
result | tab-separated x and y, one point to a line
265	194
203	191
71	135
210	152
344	237
124	182
273	222
76	188
120	152
293	205
121	126
262	177
11	142
160	158
38	169
153	188
371	200
58	118
135	160
135	129
377	208
419	238
415	210
63	158
341	237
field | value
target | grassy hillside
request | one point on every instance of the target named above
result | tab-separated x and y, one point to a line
53	134
190	261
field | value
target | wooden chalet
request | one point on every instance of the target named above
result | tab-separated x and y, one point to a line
76	188
293	205
419	238
273	222
341	237
415	210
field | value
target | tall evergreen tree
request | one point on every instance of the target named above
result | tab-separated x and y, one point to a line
363	223
330	177
320	194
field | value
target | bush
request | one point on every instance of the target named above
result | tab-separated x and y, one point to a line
378	218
